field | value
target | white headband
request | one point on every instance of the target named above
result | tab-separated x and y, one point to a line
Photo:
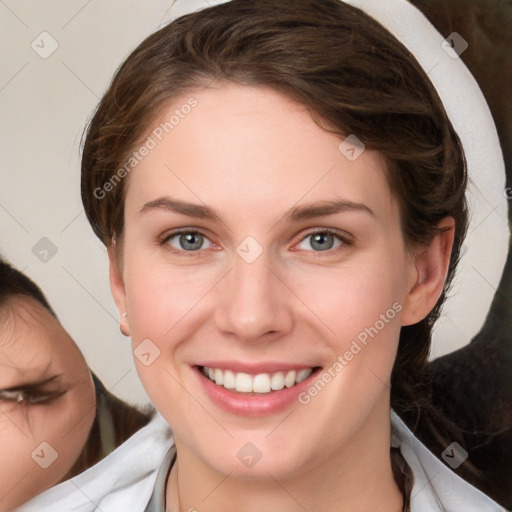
488	234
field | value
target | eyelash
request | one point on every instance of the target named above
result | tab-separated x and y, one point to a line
30	396
346	242
177	252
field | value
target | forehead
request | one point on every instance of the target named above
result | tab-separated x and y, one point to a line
31	339
248	146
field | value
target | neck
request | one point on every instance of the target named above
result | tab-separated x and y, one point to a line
357	477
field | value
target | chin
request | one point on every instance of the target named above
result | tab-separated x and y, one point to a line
251	457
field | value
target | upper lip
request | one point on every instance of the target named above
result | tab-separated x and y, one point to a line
255	368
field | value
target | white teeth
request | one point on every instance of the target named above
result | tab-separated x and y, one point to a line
277	382
289	380
261	383
218	377
303	374
229	380
243	383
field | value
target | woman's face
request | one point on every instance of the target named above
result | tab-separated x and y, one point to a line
41	436
257	247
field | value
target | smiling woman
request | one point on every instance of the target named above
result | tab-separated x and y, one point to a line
317	185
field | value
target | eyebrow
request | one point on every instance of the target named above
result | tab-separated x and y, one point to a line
31	385
183	207
295	214
323	208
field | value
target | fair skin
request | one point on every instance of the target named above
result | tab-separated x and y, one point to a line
251	156
59	408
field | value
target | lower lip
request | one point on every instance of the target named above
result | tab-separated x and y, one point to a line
247	404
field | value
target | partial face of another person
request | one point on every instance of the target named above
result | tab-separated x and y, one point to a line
47	401
260	255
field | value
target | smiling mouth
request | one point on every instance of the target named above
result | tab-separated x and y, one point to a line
261	383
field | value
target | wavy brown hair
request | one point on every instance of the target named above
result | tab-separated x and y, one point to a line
352	75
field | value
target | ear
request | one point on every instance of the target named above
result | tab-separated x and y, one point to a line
430	266
118	290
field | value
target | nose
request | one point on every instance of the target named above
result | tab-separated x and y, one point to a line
254	303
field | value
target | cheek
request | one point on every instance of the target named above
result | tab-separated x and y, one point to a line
350	299
14	451
160	295
65	426
359	307
39	447
163	304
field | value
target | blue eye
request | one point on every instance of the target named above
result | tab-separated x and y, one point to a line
322	241
189	241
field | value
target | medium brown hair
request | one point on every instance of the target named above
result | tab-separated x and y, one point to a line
14	283
352	75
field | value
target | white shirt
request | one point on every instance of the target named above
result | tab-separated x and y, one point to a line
125	480
121	482
436	487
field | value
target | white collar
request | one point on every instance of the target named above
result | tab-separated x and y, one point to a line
124	480
436	487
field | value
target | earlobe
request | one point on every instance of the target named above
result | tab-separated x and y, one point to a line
430	269
118	290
